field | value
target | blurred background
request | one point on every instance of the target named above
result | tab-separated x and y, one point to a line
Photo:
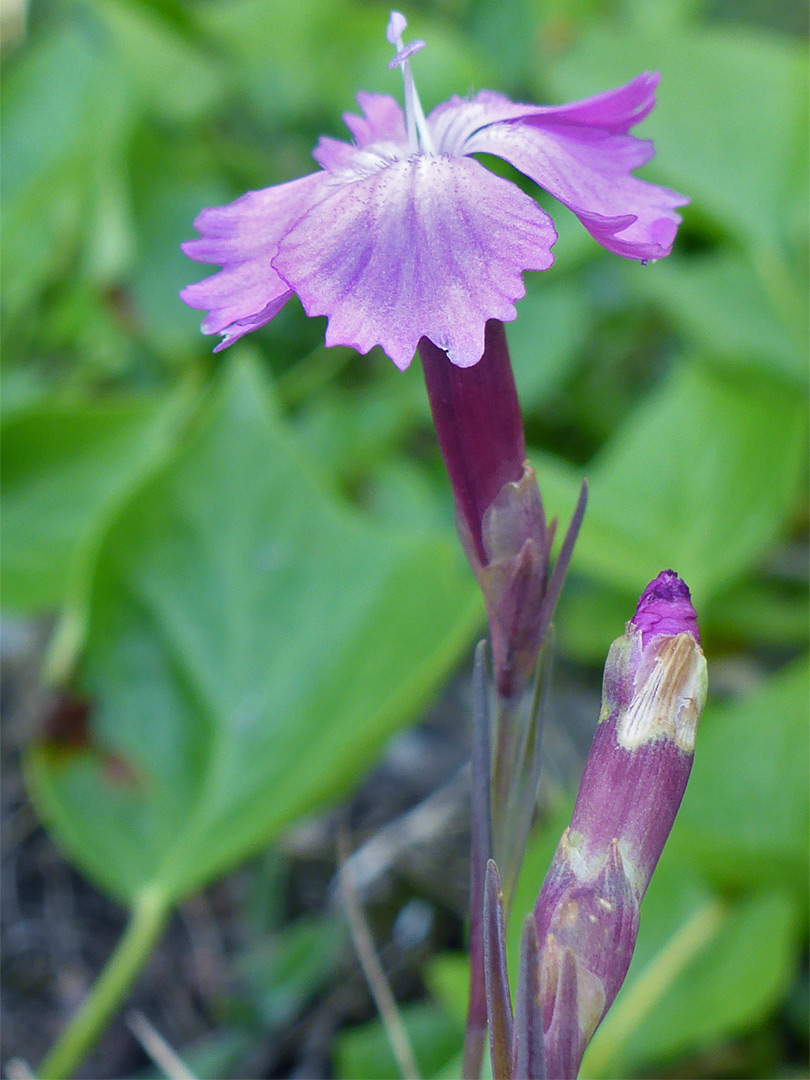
235	612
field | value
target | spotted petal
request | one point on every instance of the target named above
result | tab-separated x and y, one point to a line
429	246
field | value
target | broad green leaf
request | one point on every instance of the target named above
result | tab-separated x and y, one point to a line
364	1052
736	160
250	647
762	610
703	971
173	75
546	339
168	192
700	478
64	469
745	813
401	493
290	967
721	303
349	429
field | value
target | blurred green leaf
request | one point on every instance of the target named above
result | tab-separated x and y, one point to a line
503	32
546	340
175	77
250	647
58	142
349	430
310	59
761	611
65	468
399	492
745	813
47	99
700	478
588	618
448	979
720	302
167	194
364	1053
293	965
703	971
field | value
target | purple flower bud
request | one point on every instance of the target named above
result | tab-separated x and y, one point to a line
632	785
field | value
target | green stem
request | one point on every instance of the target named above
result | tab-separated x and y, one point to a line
148	919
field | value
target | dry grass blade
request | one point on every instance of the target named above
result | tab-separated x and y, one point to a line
157	1048
372	968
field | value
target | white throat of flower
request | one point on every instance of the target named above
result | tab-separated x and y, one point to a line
419	138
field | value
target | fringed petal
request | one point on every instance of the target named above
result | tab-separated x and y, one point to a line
243	237
428	247
589	170
581	153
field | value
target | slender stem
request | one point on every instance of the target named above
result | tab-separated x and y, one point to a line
146	924
481	833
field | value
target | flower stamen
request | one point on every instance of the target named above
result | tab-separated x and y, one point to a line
419	137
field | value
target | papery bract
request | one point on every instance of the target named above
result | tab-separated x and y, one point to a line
403	235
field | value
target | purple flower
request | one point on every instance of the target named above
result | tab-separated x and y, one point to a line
402	234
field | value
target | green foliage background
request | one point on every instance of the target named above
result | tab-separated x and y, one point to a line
252	556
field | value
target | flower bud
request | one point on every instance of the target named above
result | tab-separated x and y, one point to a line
632	785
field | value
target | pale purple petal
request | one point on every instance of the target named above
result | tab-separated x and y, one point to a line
431	246
237	329
589	171
383	120
614	111
381	128
333	154
581	154
454	121
243	237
